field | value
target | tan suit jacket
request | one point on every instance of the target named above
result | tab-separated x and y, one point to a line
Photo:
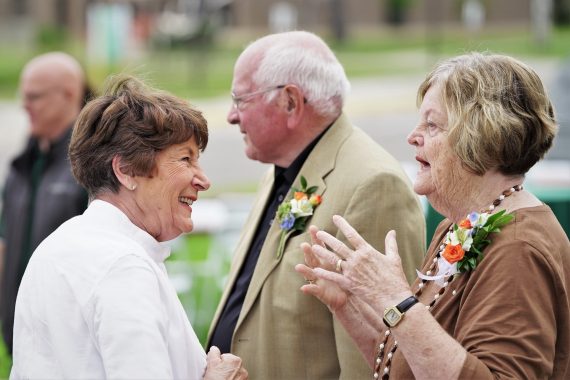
282	333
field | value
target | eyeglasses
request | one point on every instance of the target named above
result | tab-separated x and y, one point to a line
239	101
31	97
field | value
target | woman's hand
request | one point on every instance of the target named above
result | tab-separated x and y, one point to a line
326	291
377	279
224	367
360	320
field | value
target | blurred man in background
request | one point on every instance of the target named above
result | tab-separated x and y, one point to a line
288	93
39	193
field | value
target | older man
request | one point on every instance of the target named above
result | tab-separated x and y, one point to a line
40	192
288	95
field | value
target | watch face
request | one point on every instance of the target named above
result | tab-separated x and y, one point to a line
392	316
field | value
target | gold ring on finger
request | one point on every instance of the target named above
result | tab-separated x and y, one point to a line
338	265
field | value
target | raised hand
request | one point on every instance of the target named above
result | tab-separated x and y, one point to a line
224	367
360	320
375	278
310	259
326	291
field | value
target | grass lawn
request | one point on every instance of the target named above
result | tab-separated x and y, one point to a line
5	362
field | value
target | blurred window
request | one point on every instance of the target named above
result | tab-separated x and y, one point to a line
19	7
61	8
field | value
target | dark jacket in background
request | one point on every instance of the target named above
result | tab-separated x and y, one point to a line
58	198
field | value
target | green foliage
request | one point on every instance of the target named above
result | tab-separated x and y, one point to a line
52	38
194	248
206	70
5	361
200	263
10	66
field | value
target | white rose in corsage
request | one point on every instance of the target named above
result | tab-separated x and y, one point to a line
294	212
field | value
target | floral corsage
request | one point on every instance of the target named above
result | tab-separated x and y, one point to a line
462	249
293	213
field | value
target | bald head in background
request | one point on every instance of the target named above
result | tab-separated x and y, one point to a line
52	87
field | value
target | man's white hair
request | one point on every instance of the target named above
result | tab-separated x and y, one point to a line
303	59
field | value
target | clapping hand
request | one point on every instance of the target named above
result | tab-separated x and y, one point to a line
326	291
376	279
356	284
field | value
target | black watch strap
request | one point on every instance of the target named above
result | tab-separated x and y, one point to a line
406	304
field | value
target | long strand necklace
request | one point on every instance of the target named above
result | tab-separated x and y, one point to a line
385	373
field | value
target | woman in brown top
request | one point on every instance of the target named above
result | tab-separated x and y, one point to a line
492	299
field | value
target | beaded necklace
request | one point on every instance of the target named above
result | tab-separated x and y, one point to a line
385	373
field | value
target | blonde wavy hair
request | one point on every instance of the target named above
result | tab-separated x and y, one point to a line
499	115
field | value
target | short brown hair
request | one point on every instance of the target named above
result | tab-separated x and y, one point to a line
135	122
499	115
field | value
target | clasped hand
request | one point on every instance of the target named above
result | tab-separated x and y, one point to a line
224	367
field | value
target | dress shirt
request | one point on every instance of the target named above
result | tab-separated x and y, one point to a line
96	302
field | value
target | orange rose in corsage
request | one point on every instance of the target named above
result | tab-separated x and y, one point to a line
453	253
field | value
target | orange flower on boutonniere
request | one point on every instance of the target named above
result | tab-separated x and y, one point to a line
315	200
465	223
299	195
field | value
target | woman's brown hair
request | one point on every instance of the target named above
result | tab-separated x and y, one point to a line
135	122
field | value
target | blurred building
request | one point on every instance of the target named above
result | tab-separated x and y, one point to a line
67	14
372	13
264	15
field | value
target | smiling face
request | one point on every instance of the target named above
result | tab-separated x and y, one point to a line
440	176
164	201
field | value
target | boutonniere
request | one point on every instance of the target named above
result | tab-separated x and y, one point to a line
463	245
293	213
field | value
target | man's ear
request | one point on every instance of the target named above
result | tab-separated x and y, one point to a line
68	92
125	179
295	105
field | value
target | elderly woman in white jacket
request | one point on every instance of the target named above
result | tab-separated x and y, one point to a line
95	301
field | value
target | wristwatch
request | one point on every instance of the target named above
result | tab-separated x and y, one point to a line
393	315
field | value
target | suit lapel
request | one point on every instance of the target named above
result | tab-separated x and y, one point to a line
320	162
244	243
